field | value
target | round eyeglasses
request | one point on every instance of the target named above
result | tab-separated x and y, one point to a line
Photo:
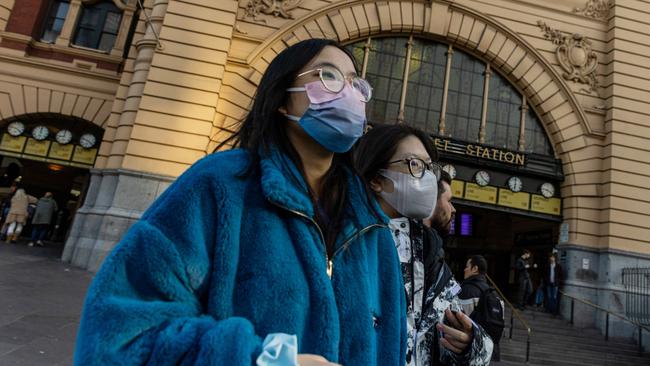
417	167
333	80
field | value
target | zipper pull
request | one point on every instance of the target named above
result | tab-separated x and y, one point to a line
330	266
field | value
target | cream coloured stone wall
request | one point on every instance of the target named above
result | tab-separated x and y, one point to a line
5	10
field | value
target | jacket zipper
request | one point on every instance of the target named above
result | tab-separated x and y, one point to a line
329	261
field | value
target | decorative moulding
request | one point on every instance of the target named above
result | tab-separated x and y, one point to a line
575	55
598	9
277	8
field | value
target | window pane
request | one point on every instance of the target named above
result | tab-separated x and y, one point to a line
112	24
536	139
106	42
465	97
54	21
504	114
385	72
425	85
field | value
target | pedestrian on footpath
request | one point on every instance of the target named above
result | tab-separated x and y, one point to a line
552	279
262	251
523	277
42	219
17	216
481	301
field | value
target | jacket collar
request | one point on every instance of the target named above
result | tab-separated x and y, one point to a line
283	185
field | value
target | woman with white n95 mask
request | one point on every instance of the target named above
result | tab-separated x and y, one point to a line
398	163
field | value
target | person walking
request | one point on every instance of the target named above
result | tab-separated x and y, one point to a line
17	216
398	163
481	302
259	252
523	277
43	215
552	278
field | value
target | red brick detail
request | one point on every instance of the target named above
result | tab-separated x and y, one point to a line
14	45
27	16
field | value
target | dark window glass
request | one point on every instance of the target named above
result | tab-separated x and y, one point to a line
536	140
54	21
425	87
503	114
98	26
465	97
385	72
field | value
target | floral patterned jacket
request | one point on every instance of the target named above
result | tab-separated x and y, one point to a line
430	289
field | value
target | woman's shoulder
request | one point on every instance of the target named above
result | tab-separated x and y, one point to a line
222	166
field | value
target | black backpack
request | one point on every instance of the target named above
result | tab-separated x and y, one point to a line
490	313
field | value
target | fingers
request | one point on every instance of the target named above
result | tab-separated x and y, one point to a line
453	334
314	360
451	319
465	321
445	343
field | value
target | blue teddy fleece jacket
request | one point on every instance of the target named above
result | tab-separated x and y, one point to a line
219	261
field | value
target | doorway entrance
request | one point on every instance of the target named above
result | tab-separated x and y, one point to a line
500	237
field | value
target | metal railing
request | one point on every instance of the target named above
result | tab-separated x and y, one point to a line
607	312
514	314
637	294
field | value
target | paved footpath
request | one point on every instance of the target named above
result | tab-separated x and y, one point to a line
40	303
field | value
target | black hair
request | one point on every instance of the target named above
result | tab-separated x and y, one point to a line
377	147
480	262
265	127
444	178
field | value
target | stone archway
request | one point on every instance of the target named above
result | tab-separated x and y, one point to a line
465	28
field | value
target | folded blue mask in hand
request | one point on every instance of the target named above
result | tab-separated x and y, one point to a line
279	349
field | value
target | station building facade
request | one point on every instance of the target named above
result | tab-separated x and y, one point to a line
539	109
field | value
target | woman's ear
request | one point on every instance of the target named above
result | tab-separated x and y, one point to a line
375	184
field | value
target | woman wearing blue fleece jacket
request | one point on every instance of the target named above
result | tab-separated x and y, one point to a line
274	241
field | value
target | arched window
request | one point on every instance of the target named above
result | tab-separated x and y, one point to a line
476	103
98	25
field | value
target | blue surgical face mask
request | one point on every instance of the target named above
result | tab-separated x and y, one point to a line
335	120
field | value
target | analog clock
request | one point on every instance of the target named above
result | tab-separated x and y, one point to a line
482	178
40	132
16	128
87	140
63	137
547	189
451	170
515	184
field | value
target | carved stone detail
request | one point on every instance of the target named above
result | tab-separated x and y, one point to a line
277	8
576	56
598	9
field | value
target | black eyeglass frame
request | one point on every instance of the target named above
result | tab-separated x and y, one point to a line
433	167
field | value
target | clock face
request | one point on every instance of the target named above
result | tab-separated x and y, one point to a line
87	140
547	189
451	170
515	184
482	178
40	133
63	137
16	128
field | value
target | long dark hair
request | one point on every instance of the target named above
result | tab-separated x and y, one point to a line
377	147
265	127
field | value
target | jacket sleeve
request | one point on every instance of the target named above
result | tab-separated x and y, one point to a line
147	303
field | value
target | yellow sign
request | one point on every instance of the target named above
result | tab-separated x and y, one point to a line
512	199
61	152
84	156
38	148
457	188
474	192
11	143
550	206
